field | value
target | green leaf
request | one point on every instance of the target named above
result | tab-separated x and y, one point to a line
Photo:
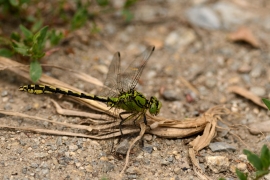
22	50
103	2
266	102
35	70
265	157
27	33
14	2
41	36
15	36
129	3
261	173
254	160
39	42
127	15
240	175
37	25
55	37
6	52
79	19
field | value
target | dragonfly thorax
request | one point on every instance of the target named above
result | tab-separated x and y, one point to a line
134	101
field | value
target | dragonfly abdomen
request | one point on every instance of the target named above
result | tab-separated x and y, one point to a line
43	89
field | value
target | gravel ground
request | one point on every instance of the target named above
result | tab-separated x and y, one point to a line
195	40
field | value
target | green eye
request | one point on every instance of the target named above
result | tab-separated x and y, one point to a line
155	106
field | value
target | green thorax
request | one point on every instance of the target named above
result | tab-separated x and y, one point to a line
134	101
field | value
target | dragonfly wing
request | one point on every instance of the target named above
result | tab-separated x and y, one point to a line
129	78
110	83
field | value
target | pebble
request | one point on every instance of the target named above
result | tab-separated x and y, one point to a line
184	165
224	130
133	170
122	148
177	170
204	17
147	137
259	91
243	157
217	163
221	146
256	72
171	95
172	39
4	93
164	162
260	127
148	148
72	147
170	158
210	82
230	14
241	166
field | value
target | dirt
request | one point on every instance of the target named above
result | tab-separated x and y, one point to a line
205	58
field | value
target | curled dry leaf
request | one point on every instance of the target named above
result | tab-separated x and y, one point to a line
247	94
244	34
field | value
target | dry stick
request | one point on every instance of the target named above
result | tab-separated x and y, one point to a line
143	128
62	111
196	167
12	113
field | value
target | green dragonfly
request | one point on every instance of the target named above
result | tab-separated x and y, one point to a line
118	92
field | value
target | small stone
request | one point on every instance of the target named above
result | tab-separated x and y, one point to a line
217	163
133	170
172	39
210	83
256	72
221	146
241	166
164	162
88	168
34	165
243	157
122	148
170	158
171	95
232	168
184	165
177	170
147	137
148	148
104	158
259	91
78	164
4	93
204	17
73	147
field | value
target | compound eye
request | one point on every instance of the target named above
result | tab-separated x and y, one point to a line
155	106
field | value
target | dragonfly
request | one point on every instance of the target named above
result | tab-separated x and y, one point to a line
118	92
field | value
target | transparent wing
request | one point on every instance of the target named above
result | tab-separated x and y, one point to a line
129	78
110	83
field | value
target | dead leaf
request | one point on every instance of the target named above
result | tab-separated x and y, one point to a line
247	94
154	42
244	34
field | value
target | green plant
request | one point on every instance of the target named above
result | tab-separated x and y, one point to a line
266	102
12	6
81	15
32	45
260	163
128	16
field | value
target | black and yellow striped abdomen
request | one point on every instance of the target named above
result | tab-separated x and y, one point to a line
43	89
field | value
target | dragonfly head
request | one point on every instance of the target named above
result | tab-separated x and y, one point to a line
155	106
